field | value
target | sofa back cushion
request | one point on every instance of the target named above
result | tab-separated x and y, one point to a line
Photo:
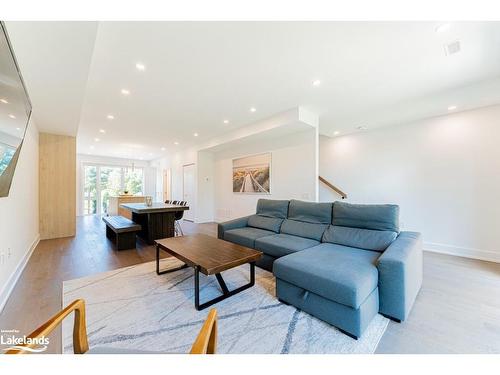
310	212
368	239
307	219
264	222
303	229
383	217
273	208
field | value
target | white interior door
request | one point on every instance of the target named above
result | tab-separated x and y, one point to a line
188	190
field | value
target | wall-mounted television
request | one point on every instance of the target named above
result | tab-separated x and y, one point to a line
15	112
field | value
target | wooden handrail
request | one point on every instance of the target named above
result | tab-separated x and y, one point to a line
80	343
333	187
206	342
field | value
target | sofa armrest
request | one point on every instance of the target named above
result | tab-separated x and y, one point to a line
400	275
231	224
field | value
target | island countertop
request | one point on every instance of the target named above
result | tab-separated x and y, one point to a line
157	207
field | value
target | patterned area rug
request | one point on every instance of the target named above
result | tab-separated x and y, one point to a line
134	308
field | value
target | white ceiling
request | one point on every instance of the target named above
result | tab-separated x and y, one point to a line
54	59
200	73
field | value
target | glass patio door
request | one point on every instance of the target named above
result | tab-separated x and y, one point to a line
111	180
101	182
90	190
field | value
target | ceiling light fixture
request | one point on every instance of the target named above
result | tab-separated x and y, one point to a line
110	117
226	121
4	101
12	116
163	148
336	132
316	82
140	66
253	109
102	131
18	129
452	107
195	134
96	139
125	91
176	143
443	27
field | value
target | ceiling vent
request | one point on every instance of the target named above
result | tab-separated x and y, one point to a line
452	48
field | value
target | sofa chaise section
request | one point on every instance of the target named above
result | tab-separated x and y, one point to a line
335	283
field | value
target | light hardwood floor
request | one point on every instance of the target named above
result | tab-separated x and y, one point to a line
457	310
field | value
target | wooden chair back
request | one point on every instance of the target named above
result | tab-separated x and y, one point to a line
80	343
206	342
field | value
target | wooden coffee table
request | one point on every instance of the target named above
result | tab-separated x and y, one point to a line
210	256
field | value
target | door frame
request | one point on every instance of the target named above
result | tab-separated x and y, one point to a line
184	188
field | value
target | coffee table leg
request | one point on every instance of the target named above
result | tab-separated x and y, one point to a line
158	272
226	293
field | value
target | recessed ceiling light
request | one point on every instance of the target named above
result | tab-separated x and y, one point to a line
336	132
96	139
361	127
316	82
12	116
125	91
443	27
140	66
176	143
18	129
102	131
4	101
452	48
452	107
253	109
226	121
163	148
110	117
195	134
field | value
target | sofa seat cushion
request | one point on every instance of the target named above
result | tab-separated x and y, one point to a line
377	240
339	273
246	236
283	244
263	222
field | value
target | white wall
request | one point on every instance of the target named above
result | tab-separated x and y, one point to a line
443	172
19	216
293	173
149	174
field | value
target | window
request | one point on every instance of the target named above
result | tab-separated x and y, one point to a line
101	182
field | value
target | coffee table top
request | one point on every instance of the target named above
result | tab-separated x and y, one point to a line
210	254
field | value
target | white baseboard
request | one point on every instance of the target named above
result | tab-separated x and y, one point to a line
11	282
465	252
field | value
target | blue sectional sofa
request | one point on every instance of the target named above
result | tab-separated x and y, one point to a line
340	262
